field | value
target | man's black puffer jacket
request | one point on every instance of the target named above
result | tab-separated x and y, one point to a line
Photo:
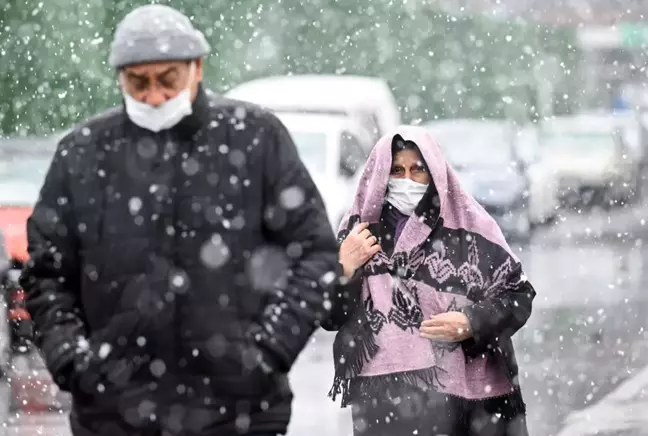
175	277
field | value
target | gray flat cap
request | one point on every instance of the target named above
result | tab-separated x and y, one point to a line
156	33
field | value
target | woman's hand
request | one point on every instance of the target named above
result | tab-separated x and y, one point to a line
447	327
357	249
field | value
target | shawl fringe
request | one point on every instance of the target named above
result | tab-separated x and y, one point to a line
507	406
365	349
424	378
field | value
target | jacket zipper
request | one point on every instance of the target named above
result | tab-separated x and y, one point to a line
173	207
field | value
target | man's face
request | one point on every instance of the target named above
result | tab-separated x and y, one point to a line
158	82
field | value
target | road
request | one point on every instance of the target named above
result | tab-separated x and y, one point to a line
621	413
587	333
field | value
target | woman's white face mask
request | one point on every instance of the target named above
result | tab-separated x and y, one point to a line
405	194
162	117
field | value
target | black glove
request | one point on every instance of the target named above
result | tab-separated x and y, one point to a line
108	359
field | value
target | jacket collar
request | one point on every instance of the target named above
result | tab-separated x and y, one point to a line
191	124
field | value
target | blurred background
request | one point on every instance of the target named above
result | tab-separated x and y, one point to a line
540	106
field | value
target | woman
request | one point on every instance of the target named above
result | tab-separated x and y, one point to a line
432	299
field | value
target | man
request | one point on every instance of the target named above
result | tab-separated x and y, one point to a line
180	252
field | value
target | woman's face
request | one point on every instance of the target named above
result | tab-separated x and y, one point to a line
408	164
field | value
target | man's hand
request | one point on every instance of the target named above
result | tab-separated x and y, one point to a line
447	327
357	249
101	363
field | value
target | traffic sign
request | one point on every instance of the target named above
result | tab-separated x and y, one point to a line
633	35
624	35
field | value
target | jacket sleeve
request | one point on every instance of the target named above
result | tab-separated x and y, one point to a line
498	317
51	276
345	299
295	218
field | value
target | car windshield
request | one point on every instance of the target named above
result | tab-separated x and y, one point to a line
312	149
578	142
474	147
21	178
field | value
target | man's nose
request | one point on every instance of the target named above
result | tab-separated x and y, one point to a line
155	98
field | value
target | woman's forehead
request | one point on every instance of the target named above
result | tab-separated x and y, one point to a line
407	155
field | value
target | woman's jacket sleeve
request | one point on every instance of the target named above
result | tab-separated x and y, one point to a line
499	317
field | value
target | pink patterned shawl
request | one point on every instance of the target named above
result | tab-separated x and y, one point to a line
440	263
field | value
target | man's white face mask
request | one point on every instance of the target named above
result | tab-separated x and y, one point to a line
405	194
162	117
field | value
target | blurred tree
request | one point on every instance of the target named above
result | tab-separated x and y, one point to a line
49	69
54	72
438	65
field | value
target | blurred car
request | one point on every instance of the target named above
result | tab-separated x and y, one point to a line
333	149
5	323
519	193
544	186
594	162
368	100
6	354
23	165
627	124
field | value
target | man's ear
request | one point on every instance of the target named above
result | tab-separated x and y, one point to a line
119	78
200	62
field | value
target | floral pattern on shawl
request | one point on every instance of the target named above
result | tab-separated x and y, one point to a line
405	312
402	265
441	268
480	285
376	319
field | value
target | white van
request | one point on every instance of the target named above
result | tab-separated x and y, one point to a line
368	100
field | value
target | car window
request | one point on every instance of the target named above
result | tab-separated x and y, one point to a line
369	121
311	147
352	154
